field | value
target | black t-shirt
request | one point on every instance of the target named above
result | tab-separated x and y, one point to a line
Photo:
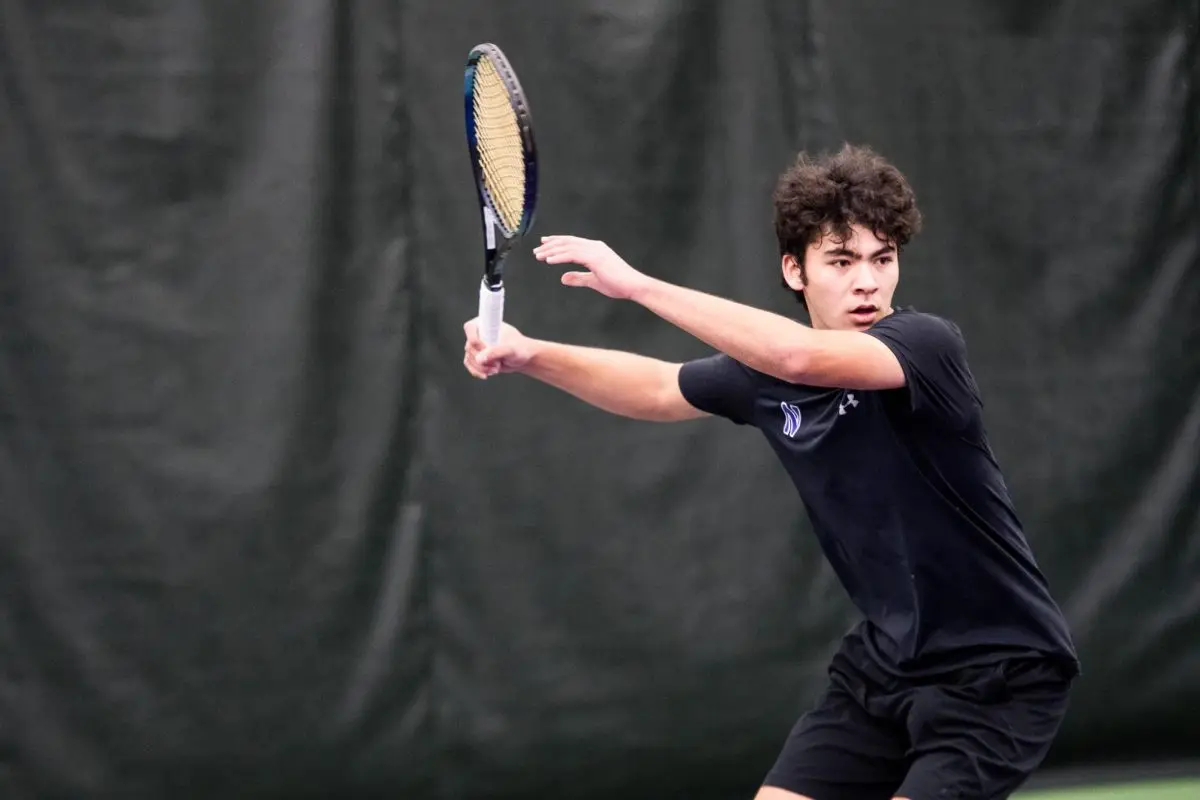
907	500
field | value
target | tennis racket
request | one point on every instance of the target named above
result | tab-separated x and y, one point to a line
504	162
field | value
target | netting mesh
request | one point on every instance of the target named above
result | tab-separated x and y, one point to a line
500	153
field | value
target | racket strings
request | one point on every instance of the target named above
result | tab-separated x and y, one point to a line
501	155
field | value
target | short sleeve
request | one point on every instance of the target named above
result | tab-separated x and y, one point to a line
721	386
933	355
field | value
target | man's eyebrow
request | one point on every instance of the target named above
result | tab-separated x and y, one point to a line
848	253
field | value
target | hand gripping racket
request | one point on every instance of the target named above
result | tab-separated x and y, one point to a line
504	161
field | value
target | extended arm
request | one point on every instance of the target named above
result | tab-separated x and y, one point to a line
774	344
761	340
621	383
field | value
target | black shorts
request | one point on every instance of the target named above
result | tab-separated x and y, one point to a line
978	733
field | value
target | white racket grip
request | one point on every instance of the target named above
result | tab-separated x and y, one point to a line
491	312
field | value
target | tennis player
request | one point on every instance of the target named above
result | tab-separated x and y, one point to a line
956	680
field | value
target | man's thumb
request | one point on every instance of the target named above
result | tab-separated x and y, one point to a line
577	279
489	354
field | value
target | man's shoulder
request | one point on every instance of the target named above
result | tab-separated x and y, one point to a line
912	318
728	365
908	331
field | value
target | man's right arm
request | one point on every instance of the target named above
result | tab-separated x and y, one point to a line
621	383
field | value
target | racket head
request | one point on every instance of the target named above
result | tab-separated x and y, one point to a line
502	148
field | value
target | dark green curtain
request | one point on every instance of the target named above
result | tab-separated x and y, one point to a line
261	535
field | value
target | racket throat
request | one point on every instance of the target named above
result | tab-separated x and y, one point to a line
496	250
490	224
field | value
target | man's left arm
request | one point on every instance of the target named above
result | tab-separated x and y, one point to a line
774	344
769	343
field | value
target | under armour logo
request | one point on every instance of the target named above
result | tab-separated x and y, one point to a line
791	419
849	402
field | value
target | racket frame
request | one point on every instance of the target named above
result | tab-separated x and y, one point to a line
498	238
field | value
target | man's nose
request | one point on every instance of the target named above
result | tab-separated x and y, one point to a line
864	279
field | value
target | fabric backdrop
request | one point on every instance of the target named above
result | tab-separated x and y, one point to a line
260	533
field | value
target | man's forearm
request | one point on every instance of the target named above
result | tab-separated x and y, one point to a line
621	383
761	340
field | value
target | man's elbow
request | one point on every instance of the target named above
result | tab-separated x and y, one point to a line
794	365
670	404
854	361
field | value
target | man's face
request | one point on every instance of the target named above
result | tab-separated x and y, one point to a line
847	285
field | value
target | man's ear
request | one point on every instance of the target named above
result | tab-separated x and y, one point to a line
793	273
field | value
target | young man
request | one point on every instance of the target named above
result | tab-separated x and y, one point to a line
956	680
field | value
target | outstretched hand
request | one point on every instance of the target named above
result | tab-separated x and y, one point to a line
606	272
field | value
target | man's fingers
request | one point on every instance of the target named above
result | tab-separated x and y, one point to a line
566	256
488	355
480	370
491	359
474	370
471	329
552	254
557	249
480	359
559	239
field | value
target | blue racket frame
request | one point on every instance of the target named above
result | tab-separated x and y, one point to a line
496	247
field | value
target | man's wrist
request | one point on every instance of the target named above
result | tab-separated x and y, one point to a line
536	348
644	289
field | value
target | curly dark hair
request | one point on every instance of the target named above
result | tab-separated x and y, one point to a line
855	186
